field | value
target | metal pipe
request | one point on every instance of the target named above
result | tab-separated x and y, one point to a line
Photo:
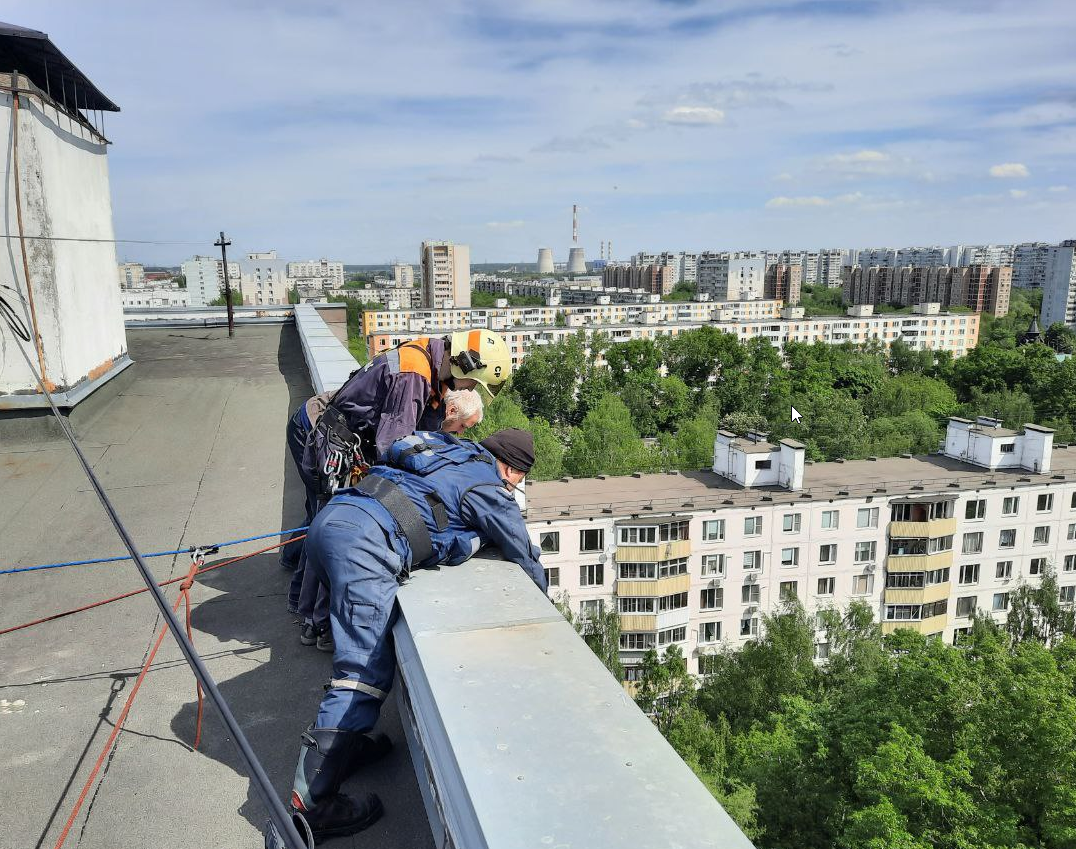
38	345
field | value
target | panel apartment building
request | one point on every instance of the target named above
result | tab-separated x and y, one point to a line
927	328
731	276
695	558
446	275
980	288
1059	286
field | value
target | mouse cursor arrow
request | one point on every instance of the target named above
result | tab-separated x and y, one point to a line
796	415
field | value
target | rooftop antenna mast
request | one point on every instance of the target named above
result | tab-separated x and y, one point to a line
223	243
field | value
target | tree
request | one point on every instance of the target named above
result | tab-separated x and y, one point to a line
237	299
909	433
1036	612
503	412
546	381
600	631
665	690
293	295
606	442
1061	338
907	393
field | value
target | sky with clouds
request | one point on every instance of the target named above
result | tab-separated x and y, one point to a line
354	130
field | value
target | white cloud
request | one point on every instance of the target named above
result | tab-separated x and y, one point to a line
783	177
1017	193
1039	115
783	202
858	157
504	225
1009	169
1058	189
696	116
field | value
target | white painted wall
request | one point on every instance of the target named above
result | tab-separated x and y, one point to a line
65	193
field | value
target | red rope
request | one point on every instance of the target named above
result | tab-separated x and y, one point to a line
85	607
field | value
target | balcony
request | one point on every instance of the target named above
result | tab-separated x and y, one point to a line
931	528
917	595
918	562
932	625
653	553
653	589
638	622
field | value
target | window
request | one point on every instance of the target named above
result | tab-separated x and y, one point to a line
1042	535
827	553
709	632
713	565
790	557
638	571
638	536
552	576
938	576
1007	538
712	598
1001	601
676	601
1045	502
749	627
631	604
867	517
969	573
922	512
672	635
903	612
965	606
960	635
1010	506
1067	595
635	673
973	543
865	551
1072	503
862	584
674	531
975	509
790	523
1072	532
670	568
1004	570
591	576
788	590
591	539
749	594
831	520
936	608
549	542
1008	447
591	608
752	526
1070	562
708	664
752	560
1038	566
713	530
936	544
905	580
637	642
826	586
762	464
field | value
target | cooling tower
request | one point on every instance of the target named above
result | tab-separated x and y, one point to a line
577	263
545	261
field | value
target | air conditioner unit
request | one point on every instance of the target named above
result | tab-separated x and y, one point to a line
751	609
751	579
603	557
716	582
869	567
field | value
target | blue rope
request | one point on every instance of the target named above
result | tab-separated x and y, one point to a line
154	554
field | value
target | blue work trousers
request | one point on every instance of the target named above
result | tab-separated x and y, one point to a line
350	550
298	430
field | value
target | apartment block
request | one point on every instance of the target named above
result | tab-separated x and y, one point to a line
205	278
981	288
132	274
1059	285
446	275
731	276
695	559
654	278
315	274
926	329
783	283
403	275
264	279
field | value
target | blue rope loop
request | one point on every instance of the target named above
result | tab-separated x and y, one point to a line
205	548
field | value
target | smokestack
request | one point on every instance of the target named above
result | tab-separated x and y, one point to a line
575	224
601	251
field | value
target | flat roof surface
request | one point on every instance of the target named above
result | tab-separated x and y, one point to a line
190	444
665	493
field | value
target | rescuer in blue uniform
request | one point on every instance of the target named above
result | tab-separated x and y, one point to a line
437	499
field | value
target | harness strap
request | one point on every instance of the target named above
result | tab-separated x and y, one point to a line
404	511
358	686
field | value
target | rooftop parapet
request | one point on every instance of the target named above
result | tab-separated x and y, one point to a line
520	737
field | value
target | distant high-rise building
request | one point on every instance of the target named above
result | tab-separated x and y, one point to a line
446	275
654	278
1029	264
132	274
731	276
316	274
980	288
783	283
689	268
205	279
403	274
1059	289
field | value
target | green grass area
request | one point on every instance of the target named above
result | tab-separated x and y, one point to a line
486	300
356	344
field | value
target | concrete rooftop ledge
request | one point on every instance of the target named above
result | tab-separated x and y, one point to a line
519	735
327	358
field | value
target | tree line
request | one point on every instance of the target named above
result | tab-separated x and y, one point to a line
658	403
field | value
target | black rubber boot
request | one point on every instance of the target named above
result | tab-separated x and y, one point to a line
324	640
308	634
327	756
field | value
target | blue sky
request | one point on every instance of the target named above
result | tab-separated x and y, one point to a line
356	130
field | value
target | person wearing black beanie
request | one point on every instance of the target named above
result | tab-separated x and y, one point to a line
515	449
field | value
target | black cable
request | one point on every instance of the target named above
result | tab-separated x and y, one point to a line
104	241
278	816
